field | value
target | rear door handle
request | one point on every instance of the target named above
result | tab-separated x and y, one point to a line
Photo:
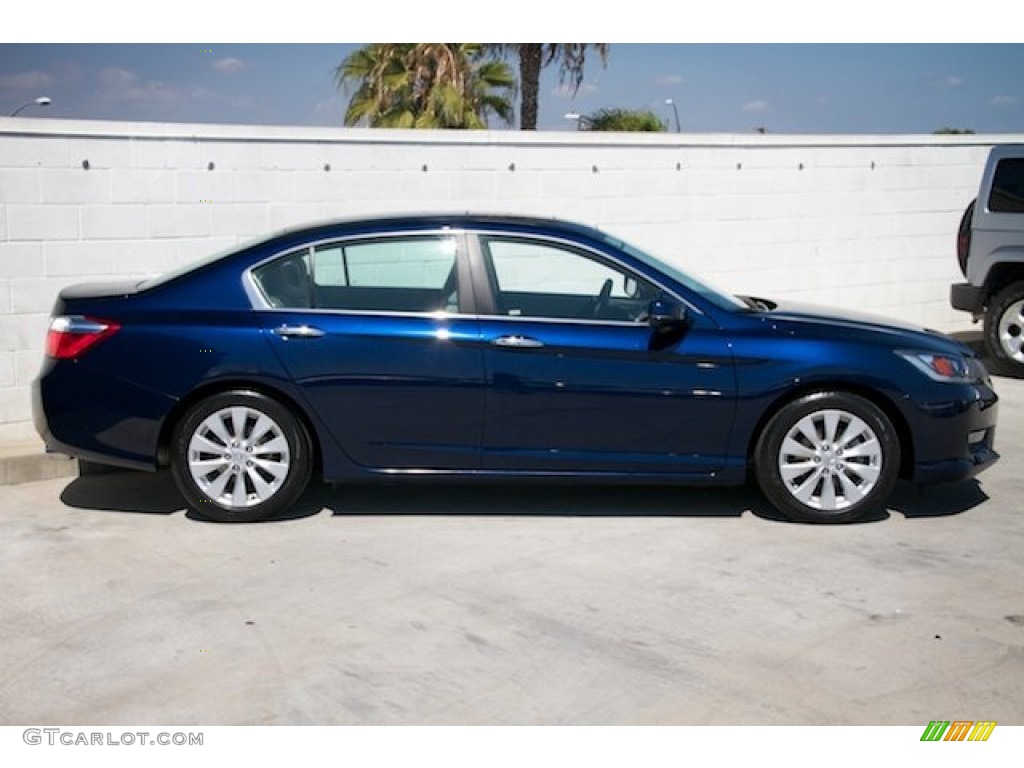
298	332
517	342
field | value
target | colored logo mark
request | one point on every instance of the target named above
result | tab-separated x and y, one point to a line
958	730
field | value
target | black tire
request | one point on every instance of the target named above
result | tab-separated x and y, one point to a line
1004	328
828	457
254	477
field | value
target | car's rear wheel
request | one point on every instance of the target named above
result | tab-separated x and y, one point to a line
828	457
240	456
1004	327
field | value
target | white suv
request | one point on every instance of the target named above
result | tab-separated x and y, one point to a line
990	247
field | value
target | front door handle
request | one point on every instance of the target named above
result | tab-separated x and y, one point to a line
298	332
517	342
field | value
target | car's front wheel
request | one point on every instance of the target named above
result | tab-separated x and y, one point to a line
828	457
240	456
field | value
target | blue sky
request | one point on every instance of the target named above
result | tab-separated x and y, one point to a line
734	88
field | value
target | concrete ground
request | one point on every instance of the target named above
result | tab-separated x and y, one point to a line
516	605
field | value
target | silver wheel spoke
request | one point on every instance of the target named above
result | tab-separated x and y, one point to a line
852	492
206	466
277	445
791	447
832	426
855	428
828	494
868	472
867	449
201	443
261	428
276	468
805	491
216	426
218	484
264	490
806	428
238	495
794	471
238	417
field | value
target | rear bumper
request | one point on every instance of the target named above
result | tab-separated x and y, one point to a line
94	416
967	297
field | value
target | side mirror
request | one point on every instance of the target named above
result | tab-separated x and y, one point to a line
663	314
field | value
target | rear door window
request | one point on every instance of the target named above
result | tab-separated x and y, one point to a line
412	274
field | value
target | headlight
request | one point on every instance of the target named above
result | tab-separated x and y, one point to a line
942	367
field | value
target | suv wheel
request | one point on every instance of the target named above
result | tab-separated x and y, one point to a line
1004	327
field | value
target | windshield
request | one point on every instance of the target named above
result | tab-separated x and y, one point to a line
704	289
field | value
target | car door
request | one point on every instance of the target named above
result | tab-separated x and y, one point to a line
379	336
578	381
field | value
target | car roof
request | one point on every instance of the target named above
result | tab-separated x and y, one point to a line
465	220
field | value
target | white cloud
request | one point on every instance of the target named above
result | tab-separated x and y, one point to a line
758	105
229	64
26	81
953	81
566	90
123	85
115	77
668	79
1005	101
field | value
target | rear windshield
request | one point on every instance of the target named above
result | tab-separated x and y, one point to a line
1008	187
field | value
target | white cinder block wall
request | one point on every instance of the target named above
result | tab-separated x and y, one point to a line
859	222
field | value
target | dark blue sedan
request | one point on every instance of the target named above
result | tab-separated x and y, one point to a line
496	347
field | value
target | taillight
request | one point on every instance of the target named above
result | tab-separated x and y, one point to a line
72	335
963	238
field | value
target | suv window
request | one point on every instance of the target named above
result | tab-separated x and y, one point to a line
545	280
417	274
1007	194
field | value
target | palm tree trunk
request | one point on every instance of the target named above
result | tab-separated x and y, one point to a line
529	80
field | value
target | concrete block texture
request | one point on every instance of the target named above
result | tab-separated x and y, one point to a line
858	222
42	222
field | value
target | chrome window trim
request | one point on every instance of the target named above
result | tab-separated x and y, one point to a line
259	301
448	316
577	246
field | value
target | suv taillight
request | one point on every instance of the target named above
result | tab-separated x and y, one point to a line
72	335
963	238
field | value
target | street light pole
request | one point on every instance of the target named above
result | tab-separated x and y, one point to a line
42	101
674	111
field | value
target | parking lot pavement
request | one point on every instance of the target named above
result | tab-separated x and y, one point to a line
513	605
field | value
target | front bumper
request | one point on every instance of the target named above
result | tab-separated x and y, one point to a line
954	439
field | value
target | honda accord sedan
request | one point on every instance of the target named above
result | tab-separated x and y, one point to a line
496	348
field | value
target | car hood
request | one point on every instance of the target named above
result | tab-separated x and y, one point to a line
898	331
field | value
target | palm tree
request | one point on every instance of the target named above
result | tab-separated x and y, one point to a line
622	120
533	57
426	85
